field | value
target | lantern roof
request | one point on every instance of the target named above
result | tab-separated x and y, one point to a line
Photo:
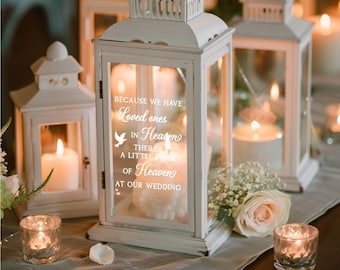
56	60
31	98
271	19
179	23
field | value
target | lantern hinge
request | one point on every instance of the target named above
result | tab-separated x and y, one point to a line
103	180
100	89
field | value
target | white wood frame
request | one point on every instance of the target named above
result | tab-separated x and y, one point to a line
88	9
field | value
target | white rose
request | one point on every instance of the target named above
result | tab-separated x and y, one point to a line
261	212
12	184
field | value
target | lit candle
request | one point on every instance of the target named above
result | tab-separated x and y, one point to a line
41	241
326	44
332	115
160	190
65	163
295	246
40	238
277	104
297	10
258	142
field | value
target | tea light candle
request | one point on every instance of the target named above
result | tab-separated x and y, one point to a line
258	142
40	238
326	44
295	246
65	163
332	117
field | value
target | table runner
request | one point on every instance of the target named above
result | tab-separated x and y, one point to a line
236	253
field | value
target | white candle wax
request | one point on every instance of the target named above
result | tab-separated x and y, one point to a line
326	45
332	117
65	163
261	142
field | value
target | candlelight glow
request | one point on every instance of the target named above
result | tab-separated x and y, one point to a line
338	119
266	106
297	10
121	86
275	92
325	21
184	120
254	125
167	143
60	147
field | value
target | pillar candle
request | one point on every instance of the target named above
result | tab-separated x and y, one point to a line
332	117
258	142
65	163
326	44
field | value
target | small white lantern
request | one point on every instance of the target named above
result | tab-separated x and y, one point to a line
272	116
163	95
55	129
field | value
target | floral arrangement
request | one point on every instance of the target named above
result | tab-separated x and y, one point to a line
247	199
12	193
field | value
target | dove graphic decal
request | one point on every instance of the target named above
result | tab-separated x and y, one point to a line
120	139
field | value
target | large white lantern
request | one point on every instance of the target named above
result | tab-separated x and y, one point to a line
272	116
163	96
55	129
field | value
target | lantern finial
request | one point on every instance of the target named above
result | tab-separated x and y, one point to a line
56	51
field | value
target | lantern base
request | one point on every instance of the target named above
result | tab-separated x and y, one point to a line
63	210
303	179
170	241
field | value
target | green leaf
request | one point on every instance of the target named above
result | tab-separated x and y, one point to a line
225	216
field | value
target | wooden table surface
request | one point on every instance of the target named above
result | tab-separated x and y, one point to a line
328	249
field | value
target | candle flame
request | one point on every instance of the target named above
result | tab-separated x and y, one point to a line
338	119
184	120
255	125
275	92
297	10
219	63
60	147
121	87
325	21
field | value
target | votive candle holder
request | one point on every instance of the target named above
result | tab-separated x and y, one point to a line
295	246
40	238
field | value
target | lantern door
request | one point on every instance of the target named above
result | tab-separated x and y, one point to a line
146	140
61	141
272	108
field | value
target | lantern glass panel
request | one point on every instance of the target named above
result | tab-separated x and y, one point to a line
216	148
149	150
304	103
259	106
61	151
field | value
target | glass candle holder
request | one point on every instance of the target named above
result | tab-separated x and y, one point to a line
295	247
40	238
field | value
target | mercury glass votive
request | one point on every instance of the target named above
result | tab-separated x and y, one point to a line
295	247
40	238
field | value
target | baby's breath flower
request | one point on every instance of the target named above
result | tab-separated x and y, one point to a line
230	185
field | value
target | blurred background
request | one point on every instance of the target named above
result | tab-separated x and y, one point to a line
28	27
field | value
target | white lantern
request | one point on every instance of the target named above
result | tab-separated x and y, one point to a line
163	96
272	116
94	17
55	129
